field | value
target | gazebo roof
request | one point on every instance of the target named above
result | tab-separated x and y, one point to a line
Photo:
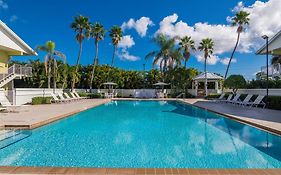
210	76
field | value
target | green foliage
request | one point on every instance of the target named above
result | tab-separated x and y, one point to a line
274	102
261	84
41	100
235	82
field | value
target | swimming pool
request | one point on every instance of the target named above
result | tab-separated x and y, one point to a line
146	134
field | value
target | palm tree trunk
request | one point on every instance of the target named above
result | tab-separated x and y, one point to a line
94	66
49	74
206	81
114	50
54	78
185	61
77	64
237	41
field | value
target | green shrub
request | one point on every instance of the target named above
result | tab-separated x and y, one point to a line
41	100
274	102
212	96
93	95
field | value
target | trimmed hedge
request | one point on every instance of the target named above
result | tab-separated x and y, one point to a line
41	100
274	102
90	95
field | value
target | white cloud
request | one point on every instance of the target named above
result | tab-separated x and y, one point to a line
13	18
141	25
126	56
126	42
264	19
212	60
225	61
3	5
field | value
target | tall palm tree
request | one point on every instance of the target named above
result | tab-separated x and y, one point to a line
207	46
167	56
240	19
80	26
186	43
116	35
96	32
50	57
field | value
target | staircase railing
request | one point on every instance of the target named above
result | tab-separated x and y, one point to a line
21	70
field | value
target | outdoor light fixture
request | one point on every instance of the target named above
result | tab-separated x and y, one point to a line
265	37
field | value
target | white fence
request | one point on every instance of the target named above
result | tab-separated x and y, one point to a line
25	95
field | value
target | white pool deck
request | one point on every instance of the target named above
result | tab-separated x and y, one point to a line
34	116
263	118
37	115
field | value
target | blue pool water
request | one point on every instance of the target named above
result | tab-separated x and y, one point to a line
146	134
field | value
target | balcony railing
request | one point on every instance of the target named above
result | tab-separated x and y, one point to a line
273	70
20	70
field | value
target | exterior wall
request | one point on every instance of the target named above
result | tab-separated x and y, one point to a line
4	58
25	95
271	92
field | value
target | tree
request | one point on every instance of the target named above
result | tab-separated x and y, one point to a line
80	26
116	35
186	43
276	59
96	32
207	46
240	19
235	82
167	56
50	57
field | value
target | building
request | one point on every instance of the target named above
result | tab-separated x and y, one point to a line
11	45
274	48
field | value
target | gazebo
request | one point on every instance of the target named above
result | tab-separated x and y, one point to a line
199	81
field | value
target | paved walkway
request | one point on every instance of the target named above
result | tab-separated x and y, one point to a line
38	115
263	118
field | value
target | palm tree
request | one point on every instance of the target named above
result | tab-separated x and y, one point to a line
207	46
116	34
167	56
186	43
80	26
240	19
96	32
50	57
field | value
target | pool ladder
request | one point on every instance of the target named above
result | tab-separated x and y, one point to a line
9	137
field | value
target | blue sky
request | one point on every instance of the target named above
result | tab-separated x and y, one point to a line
38	21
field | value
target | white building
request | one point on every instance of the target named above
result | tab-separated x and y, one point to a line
11	45
274	48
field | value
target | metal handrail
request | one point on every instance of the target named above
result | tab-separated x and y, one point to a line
17	70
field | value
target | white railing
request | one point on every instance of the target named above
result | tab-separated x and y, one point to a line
16	69
273	70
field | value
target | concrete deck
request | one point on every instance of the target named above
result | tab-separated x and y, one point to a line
30	117
267	119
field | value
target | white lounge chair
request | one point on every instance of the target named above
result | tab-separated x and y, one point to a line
2	108
246	100
258	101
78	96
220	98
63	98
68	97
56	99
228	98
235	99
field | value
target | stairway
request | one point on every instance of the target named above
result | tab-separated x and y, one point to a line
7	79
9	137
